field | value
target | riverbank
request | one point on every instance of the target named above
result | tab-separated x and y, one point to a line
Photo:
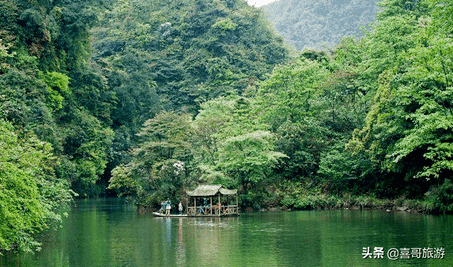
347	201
296	196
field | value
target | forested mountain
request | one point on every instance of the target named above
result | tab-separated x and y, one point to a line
54	114
175	55
368	120
153	97
79	78
319	24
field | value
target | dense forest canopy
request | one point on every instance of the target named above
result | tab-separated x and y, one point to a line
173	56
320	24
149	98
82	77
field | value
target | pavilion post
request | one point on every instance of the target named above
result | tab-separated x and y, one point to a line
220	206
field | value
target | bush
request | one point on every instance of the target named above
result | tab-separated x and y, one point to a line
440	199
311	201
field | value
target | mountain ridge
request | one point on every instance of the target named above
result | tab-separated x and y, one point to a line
307	24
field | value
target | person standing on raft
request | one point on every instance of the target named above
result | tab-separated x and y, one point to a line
168	207
162	207
180	208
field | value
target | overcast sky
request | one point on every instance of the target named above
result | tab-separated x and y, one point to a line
259	3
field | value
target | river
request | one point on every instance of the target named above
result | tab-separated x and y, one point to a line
109	232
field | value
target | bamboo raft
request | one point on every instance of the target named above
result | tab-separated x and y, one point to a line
158	214
213	201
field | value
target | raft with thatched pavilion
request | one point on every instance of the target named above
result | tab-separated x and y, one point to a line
212	200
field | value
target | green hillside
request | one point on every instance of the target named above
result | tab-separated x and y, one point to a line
148	98
319	24
79	78
189	51
173	56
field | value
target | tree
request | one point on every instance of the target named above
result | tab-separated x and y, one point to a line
86	150
409	121
248	159
231	147
192	51
30	193
161	163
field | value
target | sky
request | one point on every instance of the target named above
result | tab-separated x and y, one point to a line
259	3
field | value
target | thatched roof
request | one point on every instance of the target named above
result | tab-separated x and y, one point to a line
225	191
210	190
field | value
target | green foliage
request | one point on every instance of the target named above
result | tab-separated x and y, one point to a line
87	144
19	194
161	163
30	194
315	24
395	8
398	75
160	55
185	92
48	81
124	182
225	24
57	89
289	93
193	50
176	152
304	196
249	157
441	197
410	120
232	147
5	54
208	126
311	104
442	11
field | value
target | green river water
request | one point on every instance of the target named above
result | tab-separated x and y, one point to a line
109	232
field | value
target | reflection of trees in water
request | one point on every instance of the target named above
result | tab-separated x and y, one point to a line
210	240
168	231
181	252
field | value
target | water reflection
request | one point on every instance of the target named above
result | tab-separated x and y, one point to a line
207	240
168	231
112	233
181	252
